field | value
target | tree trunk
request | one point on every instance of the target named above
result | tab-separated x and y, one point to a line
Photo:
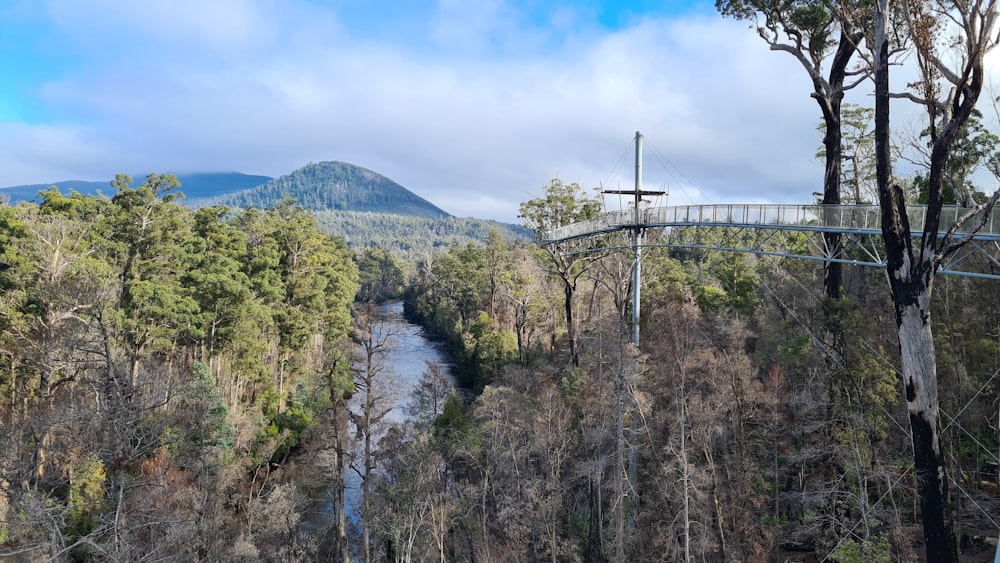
910	283
341	547
833	272
830	104
916	345
595	539
366	480
570	321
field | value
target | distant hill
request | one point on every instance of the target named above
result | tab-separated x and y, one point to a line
410	237
28	192
362	206
336	186
215	184
204	185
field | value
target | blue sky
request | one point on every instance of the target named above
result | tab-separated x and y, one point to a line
472	105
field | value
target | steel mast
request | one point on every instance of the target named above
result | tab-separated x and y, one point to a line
637	230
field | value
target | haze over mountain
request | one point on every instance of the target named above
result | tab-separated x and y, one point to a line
194	185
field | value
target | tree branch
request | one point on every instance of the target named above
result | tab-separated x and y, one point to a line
918	100
806	63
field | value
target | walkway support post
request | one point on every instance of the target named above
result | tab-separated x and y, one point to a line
637	242
637	229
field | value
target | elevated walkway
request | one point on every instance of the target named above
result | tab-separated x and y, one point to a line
791	231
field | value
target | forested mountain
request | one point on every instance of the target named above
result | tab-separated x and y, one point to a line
411	237
366	209
335	186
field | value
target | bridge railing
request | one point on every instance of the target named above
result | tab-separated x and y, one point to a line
848	218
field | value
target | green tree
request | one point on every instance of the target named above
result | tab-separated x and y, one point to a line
811	31
149	233
381	275
858	170
563	204
973	148
308	279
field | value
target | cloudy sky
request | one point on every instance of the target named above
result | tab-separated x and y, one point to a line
473	105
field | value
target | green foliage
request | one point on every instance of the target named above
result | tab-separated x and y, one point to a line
795	348
203	414
380	275
561	205
571	383
974	147
490	349
452	426
86	494
289	425
858	148
710	299
738	282
809	23
410	237
453	297
875	550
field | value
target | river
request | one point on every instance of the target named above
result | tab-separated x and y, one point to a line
407	359
409	355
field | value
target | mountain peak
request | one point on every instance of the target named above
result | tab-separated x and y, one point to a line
337	186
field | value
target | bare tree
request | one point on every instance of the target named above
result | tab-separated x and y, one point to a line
374	336
429	395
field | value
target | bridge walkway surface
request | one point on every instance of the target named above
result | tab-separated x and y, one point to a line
794	231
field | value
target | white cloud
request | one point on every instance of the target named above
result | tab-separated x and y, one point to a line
473	133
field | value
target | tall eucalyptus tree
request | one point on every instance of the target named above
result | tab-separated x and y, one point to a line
951	40
561	205
811	31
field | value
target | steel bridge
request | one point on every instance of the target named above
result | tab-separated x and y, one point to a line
794	231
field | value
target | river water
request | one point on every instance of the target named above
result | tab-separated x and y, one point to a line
408	355
407	360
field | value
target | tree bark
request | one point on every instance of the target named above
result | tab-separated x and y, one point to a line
910	283
830	100
569	288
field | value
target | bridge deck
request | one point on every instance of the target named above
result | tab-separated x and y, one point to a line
859	219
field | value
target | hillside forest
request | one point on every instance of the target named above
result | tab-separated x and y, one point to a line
185	384
177	384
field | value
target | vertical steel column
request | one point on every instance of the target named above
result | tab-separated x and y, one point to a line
637	242
633	464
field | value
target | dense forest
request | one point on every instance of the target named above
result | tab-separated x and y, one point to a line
199	188
178	384
160	365
410	237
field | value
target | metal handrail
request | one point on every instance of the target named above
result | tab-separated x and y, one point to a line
822	218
